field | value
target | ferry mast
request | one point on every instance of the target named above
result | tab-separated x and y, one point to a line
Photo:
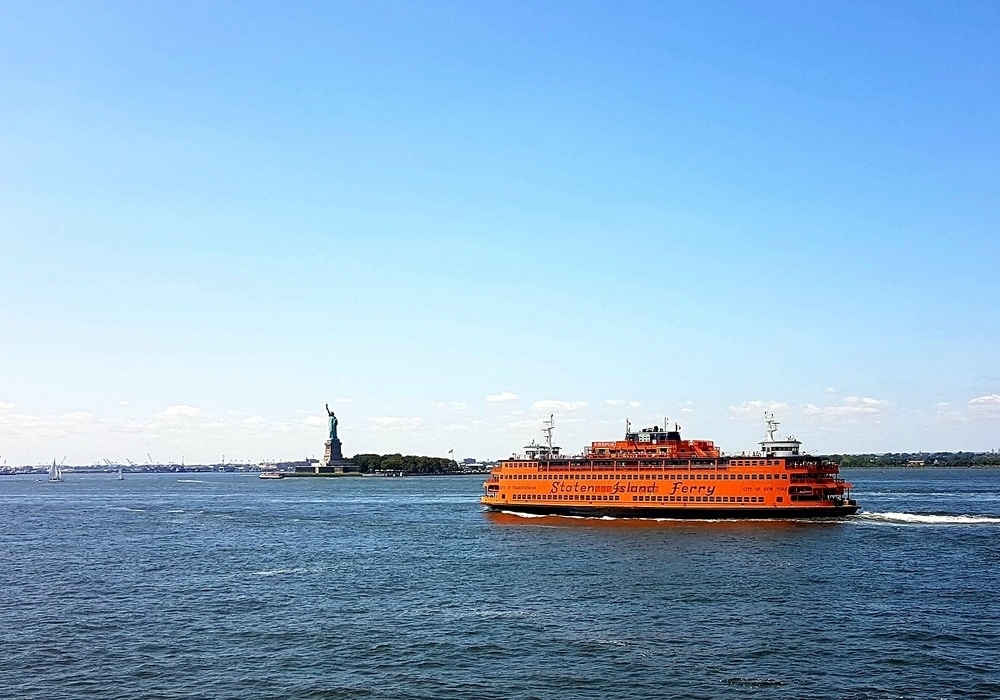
547	432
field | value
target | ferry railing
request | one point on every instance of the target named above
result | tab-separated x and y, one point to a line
545	465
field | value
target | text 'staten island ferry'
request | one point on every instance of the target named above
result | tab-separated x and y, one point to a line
653	473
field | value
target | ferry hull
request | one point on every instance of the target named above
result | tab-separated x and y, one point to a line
748	513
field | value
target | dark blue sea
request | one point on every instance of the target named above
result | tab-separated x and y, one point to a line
228	586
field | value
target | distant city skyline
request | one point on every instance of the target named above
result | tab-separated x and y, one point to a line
451	220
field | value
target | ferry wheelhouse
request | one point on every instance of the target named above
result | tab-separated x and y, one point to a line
653	473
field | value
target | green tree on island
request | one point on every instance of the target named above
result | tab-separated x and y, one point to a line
408	464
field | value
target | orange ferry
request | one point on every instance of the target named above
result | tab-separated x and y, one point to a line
653	473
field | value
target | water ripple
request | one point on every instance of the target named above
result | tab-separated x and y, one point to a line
404	588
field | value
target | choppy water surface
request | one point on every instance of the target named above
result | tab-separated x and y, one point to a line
227	586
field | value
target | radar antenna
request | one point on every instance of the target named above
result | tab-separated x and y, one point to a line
772	425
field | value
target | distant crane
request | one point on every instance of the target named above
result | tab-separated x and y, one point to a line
150	457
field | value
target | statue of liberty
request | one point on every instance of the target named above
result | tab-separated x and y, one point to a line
332	422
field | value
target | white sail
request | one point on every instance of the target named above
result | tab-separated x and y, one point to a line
55	473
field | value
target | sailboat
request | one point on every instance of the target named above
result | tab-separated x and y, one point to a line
55	473
121	477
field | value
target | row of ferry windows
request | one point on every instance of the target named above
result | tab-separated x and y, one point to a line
647	477
647	499
736	462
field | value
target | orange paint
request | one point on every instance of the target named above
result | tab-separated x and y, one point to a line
655	473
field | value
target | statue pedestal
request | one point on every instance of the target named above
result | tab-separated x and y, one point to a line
333	456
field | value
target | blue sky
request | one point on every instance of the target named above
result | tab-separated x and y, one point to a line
451	219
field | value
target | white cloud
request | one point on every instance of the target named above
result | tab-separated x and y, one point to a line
6	405
622	402
859	404
989	400
502	396
757	408
78	415
554	405
396	421
523	425
314	420
180	411
123	403
852	407
450	404
830	390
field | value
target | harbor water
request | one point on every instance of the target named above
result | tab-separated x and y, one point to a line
199	585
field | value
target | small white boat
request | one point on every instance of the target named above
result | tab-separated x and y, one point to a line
55	472
121	477
270	475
